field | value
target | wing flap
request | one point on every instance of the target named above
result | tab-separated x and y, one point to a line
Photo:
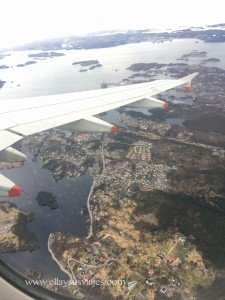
8	138
10	154
149	102
90	124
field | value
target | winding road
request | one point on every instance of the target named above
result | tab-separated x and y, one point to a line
91	191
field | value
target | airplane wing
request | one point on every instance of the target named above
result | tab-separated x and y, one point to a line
71	111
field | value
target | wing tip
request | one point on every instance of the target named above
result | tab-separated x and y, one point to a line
189	78
165	105
114	128
15	191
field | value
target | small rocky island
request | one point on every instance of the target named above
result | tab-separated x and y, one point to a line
46	54
150	66
14	235
31	62
95	66
47	199
193	54
86	63
92	64
212	59
4	67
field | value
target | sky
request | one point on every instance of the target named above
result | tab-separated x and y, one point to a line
24	21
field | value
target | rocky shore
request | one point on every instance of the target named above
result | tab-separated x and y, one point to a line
31	62
13	227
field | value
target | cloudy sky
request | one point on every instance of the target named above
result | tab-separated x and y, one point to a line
28	20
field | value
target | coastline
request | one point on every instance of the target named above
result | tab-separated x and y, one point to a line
56	260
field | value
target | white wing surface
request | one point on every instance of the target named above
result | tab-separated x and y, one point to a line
73	111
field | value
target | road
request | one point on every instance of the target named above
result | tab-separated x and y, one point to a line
89	209
95	180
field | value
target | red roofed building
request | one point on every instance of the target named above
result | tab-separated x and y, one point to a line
169	259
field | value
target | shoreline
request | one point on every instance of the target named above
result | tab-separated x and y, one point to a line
56	260
206	34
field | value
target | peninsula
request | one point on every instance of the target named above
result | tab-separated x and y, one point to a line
13	228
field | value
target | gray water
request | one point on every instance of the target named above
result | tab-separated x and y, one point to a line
58	75
71	195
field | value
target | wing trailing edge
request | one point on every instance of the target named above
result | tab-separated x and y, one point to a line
187	81
12	155
8	138
90	124
149	102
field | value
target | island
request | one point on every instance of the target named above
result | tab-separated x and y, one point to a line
95	66
15	235
45	54
47	199
151	66
92	64
212	59
4	67
31	62
193	54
